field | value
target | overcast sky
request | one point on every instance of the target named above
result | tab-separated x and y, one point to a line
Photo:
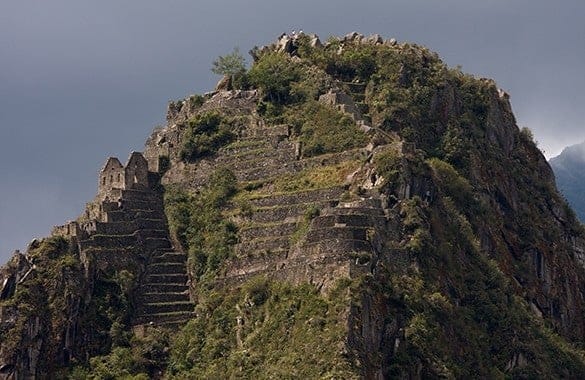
82	80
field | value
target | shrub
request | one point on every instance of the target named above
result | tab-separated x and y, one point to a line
264	329
323	129
274	73
388	165
205	134
196	222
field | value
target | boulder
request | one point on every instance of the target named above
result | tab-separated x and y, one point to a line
224	83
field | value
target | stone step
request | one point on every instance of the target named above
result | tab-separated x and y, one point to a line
140	195
166	268
267	230
365	211
256	262
227	159
111	251
128	204
273	171
165	297
365	203
267	158
325	194
152	234
286	213
129	227
335	246
164	318
348	233
109	241
119	241
165	307
126	215
244	146
173	278
348	220
266	131
151	244
273	141
164	288
169	257
265	245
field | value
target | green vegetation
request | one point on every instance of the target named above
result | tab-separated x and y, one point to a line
291	90
322	129
232	65
318	177
196	222
456	296
389	164
302	227
138	359
459	298
265	329
57	283
274	74
205	134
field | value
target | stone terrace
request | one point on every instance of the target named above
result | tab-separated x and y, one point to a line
271	233
132	233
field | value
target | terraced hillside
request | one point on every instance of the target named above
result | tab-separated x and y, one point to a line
348	209
130	232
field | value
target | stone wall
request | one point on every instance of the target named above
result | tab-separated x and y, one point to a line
114	176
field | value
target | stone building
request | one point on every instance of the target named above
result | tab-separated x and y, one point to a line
115	176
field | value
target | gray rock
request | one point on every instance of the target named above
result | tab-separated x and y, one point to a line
374	39
224	83
315	42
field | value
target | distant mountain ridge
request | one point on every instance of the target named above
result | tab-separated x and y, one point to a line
569	169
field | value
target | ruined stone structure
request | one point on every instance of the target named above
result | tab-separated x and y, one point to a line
114	176
125	226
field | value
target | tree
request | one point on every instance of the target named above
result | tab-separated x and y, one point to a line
274	73
232	64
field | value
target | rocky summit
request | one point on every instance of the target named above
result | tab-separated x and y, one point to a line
344	209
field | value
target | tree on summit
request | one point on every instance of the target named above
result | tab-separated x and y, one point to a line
232	65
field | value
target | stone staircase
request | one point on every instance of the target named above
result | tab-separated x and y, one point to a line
164	293
136	225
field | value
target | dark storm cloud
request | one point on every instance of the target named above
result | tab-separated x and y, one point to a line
82	80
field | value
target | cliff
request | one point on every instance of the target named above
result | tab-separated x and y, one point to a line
353	209
569	172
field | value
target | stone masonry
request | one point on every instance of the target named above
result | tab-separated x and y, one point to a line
125	227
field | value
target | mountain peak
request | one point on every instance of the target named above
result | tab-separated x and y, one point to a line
347	209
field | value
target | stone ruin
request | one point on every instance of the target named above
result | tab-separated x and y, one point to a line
113	179
114	176
125	227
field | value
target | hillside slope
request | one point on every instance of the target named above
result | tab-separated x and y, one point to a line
353	209
569	168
